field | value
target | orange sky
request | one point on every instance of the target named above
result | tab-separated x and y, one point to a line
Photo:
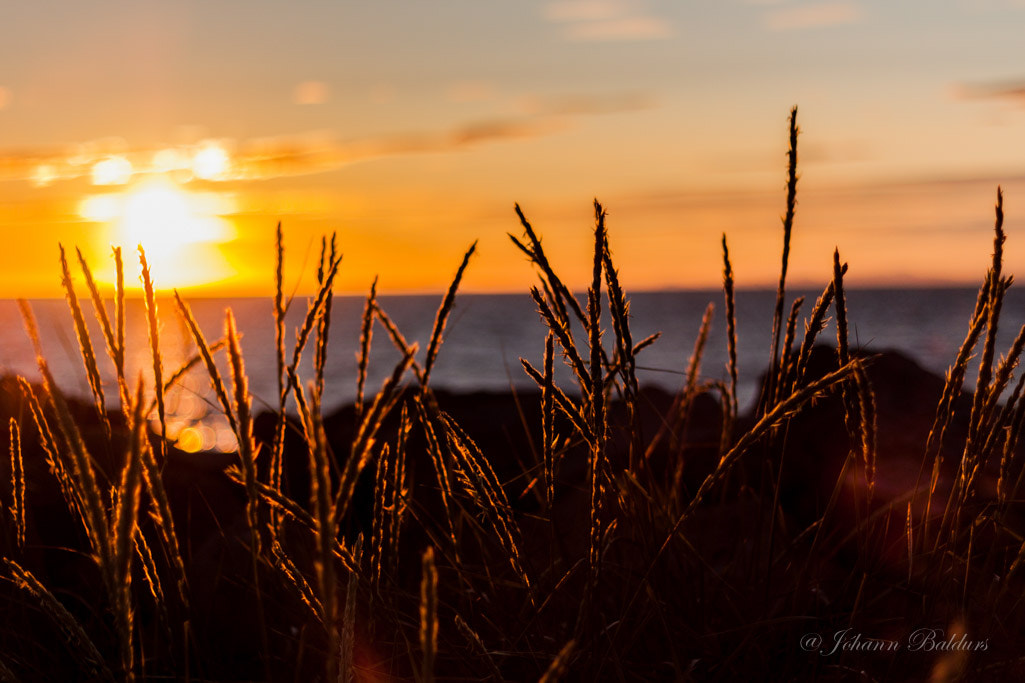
194	127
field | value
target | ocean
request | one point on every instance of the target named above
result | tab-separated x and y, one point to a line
484	340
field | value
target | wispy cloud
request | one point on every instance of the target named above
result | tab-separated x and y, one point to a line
813	15
1009	90
227	160
607	20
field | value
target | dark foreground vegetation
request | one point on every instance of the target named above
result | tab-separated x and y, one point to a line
863	521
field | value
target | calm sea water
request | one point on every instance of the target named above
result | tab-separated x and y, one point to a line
487	334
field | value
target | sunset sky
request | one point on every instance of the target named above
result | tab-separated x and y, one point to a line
412	128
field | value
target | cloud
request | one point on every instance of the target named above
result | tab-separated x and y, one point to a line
1009	90
112	161
815	15
606	20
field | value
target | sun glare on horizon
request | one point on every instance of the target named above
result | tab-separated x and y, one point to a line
180	230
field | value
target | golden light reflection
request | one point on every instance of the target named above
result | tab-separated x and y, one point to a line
179	229
113	170
211	162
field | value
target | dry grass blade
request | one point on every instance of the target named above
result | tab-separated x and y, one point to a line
788	224
372	420
363	357
279	356
244	435
598	417
981	399
313	314
85	345
557	670
347	662
619	309
84	478
79	643
441	470
565	403
815	324
781	412
382	482
548	418
161	512
851	415
124	525
776	416
731	343
428	616
694	363
49	443
680	408
150	573
867	428
185	367
789	358
565	337
951	389
208	360
442	317
154	345
326	529
842	352
114	349
324	322
397	500
295	511
119	302
646	342
285	565
486	490
17	485
478	644
994	422
562	295
397	339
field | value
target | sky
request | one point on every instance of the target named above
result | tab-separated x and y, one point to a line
413	128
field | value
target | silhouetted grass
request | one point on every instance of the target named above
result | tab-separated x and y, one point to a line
644	540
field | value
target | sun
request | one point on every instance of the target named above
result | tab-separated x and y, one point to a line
181	231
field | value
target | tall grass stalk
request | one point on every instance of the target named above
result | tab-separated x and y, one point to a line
91	663
598	416
788	224
363	357
123	525
244	435
17	485
731	346
428	616
280	309
85	345
442	316
84	479
114	348
153	324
